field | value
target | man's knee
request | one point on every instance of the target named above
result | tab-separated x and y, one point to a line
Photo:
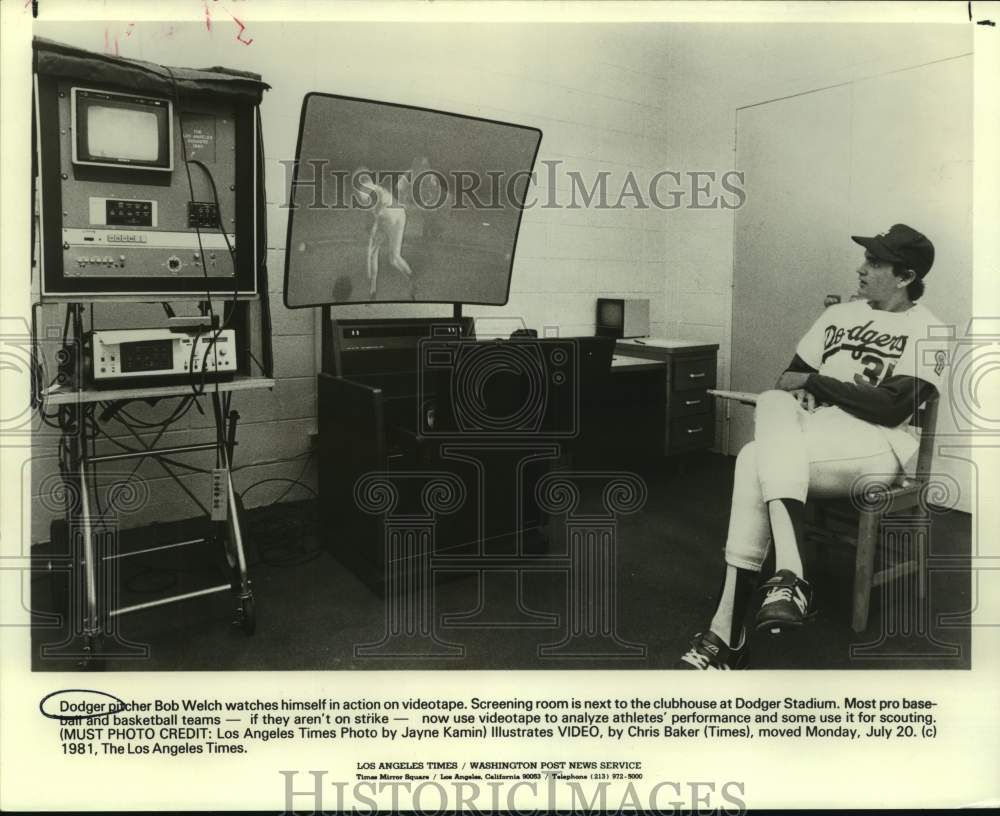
775	400
746	459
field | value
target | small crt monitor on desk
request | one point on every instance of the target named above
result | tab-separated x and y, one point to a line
621	317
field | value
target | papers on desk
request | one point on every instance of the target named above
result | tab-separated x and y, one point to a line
746	397
624	361
660	342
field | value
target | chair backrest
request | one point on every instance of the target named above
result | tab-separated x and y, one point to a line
925	418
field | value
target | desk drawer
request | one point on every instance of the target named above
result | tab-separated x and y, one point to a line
690	403
692	432
694	374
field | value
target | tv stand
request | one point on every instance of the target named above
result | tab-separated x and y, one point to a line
417	396
440	454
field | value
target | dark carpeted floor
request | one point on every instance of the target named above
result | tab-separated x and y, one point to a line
312	613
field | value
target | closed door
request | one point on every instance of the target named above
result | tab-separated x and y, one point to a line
851	159
790	241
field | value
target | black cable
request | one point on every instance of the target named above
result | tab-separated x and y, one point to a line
182	408
232	257
34	364
279	537
197	390
152	448
177	414
36	369
287	490
129	449
273	462
261	367
293	482
218	209
262	283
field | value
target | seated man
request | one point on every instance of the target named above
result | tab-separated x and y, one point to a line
840	412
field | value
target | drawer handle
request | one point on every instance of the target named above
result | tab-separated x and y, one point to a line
692	402
695	430
697	376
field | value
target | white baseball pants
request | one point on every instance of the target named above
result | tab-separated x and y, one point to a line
797	454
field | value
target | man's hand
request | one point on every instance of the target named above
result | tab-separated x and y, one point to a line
792	381
806	400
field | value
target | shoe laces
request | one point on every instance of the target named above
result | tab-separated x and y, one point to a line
697	659
789	594
700	660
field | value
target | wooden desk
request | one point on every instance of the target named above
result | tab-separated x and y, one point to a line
622	362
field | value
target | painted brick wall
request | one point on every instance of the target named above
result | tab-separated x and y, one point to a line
608	98
590	91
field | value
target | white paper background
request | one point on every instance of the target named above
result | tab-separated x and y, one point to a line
958	768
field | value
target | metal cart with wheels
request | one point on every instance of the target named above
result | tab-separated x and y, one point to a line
93	566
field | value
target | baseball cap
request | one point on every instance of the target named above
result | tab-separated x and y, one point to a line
901	244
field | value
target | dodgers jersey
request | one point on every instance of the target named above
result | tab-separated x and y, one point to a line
854	343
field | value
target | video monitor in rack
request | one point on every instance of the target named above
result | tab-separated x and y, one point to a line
121	130
144	195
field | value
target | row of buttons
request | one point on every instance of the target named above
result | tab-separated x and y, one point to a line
105	260
209	363
123	207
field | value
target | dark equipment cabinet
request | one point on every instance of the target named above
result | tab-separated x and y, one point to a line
412	397
369	422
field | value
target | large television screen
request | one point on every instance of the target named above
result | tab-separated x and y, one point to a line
391	203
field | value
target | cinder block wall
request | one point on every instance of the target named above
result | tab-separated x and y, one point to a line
752	65
595	92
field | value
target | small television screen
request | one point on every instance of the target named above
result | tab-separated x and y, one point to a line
610	313
122	130
391	203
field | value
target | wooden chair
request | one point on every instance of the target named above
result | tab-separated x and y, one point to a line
859	523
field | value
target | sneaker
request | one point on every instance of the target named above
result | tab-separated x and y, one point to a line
787	603
709	652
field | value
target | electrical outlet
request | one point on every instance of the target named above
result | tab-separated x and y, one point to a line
220	493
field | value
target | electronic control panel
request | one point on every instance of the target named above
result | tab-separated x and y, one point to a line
143	194
95	253
141	356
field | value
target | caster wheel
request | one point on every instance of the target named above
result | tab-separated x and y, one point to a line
247	620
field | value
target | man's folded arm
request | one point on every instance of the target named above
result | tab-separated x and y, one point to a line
794	376
891	402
